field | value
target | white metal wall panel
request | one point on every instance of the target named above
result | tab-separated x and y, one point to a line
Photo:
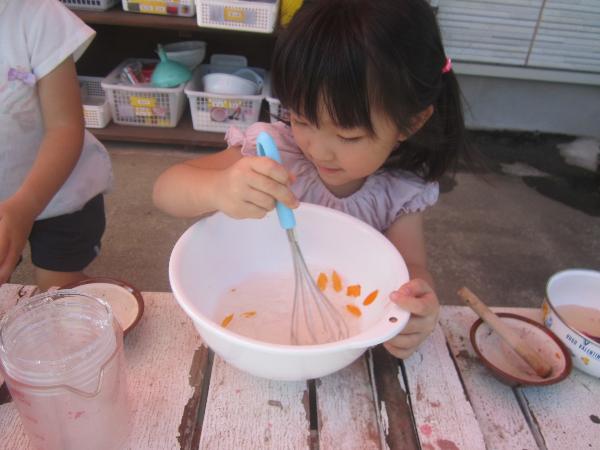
492	31
568	36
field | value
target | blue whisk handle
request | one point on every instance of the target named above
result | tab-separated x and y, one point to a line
265	146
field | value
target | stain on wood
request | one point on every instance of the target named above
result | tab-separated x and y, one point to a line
190	427
401	432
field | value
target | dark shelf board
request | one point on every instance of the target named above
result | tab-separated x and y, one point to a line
123	18
182	134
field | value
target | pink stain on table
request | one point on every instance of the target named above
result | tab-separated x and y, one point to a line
445	444
426	429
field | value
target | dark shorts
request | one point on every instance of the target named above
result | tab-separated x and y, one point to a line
68	243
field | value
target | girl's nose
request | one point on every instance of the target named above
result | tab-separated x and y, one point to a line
319	150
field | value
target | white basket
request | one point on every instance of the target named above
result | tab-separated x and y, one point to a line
143	104
96	110
184	8
215	112
258	16
95	5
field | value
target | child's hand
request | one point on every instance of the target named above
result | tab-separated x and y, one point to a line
250	187
15	226
418	298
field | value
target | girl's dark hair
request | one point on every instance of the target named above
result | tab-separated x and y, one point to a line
358	55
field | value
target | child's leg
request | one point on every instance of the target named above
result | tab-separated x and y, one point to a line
62	247
45	279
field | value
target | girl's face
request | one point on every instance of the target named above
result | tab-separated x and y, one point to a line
345	157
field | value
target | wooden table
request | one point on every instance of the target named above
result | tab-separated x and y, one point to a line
182	396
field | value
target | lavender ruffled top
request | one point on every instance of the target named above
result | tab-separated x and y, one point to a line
379	202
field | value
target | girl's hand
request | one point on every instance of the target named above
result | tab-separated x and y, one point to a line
250	187
15	226
418	298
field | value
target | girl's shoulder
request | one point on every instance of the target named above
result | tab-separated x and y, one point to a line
384	197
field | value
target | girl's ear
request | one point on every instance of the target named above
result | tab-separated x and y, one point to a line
417	122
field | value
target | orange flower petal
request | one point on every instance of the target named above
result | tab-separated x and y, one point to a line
337	281
353	290
322	281
226	320
354	310
249	314
371	297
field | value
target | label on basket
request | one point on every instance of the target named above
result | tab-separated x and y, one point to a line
231	14
234	14
147	102
141	111
170	7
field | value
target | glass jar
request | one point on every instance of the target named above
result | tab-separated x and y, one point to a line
61	354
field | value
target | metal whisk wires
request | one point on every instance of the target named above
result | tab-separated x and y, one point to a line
315	320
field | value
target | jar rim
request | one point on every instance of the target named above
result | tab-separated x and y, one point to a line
19	364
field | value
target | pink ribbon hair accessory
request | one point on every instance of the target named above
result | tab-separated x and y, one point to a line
448	66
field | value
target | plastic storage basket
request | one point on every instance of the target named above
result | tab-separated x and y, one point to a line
185	8
96	110
215	112
259	16
96	5
142	104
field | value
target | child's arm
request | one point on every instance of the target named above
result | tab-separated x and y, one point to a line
241	187
59	151
417	296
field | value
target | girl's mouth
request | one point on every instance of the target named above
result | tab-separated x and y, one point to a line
327	170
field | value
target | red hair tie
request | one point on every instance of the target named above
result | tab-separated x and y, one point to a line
448	66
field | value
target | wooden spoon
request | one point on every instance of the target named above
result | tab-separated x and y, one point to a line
530	356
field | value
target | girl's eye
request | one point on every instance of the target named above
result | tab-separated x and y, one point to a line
350	138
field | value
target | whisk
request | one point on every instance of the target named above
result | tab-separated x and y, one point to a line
315	320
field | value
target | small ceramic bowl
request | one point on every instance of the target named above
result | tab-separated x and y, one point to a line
506	365
229	84
571	310
188	53
126	301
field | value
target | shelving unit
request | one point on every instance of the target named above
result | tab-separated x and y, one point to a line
122	34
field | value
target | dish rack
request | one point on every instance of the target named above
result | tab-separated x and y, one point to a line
96	110
217	112
184	8
95	5
143	104
257	16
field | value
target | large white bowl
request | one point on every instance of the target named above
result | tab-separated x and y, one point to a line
219	252
574	287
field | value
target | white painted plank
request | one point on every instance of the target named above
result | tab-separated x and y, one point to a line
443	415
12	436
159	353
347	415
494	403
247	412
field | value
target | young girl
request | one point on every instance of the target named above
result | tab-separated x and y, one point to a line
375	121
52	173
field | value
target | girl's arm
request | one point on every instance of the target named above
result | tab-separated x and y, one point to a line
61	146
241	187
58	154
417	296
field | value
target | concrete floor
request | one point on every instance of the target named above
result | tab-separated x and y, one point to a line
502	233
